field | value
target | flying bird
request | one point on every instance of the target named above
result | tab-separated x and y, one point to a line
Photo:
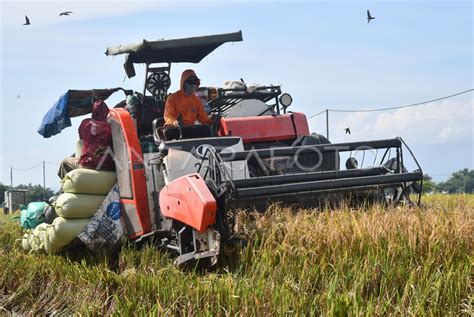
369	17
348	130
65	13
27	21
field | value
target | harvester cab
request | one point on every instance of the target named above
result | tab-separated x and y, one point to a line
179	184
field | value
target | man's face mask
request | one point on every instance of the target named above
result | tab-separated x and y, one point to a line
190	86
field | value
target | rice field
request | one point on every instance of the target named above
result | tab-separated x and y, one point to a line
368	261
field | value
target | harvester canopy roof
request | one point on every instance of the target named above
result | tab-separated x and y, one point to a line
73	103
185	50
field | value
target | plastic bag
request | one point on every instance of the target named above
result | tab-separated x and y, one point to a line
33	215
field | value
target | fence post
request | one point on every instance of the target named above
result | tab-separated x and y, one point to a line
44	182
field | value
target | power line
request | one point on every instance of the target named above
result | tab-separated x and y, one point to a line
33	167
315	115
27	169
407	106
393	108
52	163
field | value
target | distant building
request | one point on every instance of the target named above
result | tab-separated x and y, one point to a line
13	199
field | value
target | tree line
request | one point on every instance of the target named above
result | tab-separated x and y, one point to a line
461	181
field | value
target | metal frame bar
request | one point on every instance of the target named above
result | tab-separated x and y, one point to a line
225	99
307	149
334	184
304	177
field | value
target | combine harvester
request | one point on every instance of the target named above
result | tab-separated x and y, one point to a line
178	184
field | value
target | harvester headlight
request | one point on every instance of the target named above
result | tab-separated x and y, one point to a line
286	100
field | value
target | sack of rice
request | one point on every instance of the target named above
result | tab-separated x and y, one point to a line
88	181
34	240
25	243
61	233
73	206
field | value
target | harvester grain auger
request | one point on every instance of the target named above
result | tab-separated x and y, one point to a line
178	184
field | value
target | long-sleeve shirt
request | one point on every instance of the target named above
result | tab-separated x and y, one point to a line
190	107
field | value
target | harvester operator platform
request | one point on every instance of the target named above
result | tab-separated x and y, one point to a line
186	103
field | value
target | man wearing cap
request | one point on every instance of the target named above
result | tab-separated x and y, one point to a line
186	103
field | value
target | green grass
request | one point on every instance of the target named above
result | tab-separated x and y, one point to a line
372	261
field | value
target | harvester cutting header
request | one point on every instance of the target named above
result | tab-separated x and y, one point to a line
179	182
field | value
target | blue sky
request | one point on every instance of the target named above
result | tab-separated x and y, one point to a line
323	53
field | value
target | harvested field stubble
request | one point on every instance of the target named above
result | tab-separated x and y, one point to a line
370	261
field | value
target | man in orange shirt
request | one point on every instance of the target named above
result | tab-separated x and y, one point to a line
186	103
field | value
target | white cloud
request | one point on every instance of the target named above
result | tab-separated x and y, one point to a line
440	122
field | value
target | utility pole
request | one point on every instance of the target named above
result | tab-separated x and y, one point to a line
327	124
10	195
44	182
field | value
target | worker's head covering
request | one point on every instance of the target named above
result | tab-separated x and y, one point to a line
190	75
100	111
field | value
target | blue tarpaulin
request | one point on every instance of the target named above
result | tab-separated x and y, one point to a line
73	103
56	119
